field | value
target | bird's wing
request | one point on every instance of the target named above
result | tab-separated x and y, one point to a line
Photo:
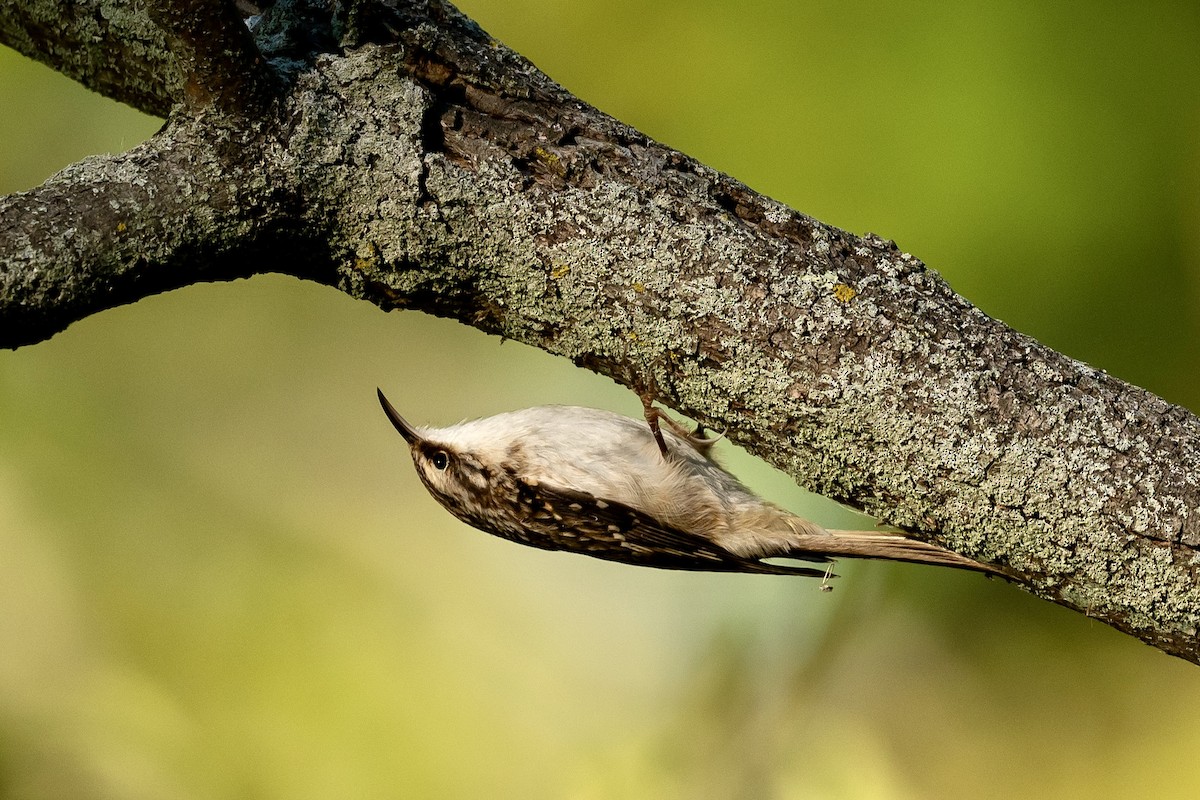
579	521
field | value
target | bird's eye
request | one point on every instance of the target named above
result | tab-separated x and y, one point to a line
440	460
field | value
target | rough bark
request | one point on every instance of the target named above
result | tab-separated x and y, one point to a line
407	158
110	46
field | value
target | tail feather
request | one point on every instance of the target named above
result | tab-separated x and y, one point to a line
890	546
765	533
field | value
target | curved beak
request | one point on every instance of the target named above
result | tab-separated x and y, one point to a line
406	430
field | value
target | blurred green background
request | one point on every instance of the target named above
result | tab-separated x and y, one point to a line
220	578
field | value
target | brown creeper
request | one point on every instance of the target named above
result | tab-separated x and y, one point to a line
594	482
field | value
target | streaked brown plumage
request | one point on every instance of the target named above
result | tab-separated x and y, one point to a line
594	482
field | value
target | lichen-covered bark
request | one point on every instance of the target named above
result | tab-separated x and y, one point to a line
110	46
180	208
425	166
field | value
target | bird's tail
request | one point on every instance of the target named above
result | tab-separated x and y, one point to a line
890	546
766	535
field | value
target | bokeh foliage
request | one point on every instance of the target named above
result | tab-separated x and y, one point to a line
220	578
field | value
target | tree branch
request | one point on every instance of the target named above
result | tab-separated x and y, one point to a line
179	209
213	49
428	167
110	46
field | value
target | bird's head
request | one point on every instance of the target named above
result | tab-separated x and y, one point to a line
453	472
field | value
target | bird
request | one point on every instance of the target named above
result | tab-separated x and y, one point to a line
591	481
